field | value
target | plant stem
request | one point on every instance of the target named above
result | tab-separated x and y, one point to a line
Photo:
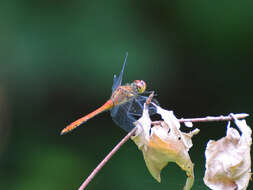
214	118
106	159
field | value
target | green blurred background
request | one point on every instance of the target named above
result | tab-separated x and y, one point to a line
57	60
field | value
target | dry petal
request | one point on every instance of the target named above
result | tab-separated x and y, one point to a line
164	143
228	162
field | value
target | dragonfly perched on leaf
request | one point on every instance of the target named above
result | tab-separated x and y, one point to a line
126	104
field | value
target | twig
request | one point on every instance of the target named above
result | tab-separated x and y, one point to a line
131	133
214	118
106	159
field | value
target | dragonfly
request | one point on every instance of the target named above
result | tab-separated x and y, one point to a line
125	104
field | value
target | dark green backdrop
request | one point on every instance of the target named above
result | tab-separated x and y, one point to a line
57	60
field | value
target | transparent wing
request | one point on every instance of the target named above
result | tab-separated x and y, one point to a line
124	115
117	80
121	118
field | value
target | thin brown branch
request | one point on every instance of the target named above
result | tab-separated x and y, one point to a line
106	159
214	118
131	133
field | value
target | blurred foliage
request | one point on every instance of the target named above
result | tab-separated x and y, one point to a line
57	63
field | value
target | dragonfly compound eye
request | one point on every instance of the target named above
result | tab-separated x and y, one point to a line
140	85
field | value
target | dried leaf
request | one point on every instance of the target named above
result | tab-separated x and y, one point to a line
164	143
228	162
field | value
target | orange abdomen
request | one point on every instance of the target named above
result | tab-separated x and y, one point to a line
107	106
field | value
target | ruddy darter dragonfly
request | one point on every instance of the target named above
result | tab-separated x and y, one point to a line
126	104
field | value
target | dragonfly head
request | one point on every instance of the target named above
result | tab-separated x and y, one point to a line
140	86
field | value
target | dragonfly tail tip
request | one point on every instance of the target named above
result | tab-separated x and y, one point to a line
64	131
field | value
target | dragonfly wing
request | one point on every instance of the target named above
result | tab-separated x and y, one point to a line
114	111
121	117
117	80
137	106
124	115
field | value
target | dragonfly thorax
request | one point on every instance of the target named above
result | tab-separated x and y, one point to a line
140	86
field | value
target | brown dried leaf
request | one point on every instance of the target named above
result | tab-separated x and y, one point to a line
164	143
228	162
